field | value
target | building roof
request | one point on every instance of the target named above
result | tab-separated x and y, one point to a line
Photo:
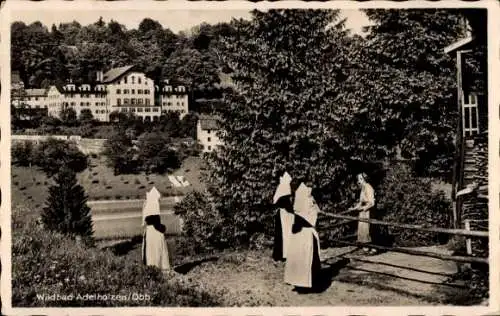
36	92
209	122
115	73
460	45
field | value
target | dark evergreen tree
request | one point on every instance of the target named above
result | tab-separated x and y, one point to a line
66	210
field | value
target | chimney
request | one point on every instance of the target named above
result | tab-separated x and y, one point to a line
99	76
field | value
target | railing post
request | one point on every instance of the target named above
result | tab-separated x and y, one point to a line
468	242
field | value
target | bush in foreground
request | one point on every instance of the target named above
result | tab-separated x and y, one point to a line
202	224
45	262
404	198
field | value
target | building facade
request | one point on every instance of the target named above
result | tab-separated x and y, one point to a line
172	98
85	96
130	91
122	89
207	129
470	181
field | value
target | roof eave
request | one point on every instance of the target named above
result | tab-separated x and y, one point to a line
461	44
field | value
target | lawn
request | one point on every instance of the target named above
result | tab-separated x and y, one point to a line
29	185
100	183
112	218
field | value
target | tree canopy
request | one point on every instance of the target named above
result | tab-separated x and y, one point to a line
322	104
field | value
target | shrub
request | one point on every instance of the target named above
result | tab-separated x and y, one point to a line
141	187
109	187
16	183
405	198
48	262
95	181
202	224
136	181
22	153
51	155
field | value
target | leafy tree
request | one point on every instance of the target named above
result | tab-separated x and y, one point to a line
51	155
288	67
188	126
170	124
156	153
120	153
86	116
400	88
68	117
198	71
22	153
66	210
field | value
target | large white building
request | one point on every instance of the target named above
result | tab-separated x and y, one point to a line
122	89
131	91
206	134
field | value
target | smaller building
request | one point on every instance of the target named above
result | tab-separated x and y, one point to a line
36	98
207	129
172	98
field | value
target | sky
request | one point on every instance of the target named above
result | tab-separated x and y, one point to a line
175	20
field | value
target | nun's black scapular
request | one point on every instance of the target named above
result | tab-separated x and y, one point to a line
283	218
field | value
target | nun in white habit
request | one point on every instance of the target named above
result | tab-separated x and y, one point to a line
154	245
283	219
303	263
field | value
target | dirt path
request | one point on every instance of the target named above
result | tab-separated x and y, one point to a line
385	279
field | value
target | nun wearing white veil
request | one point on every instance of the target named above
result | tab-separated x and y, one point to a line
283	218
303	263
154	245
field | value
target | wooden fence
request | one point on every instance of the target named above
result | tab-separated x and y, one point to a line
460	232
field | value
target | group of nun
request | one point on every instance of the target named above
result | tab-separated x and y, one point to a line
296	239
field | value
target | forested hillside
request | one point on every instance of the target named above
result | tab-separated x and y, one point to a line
46	55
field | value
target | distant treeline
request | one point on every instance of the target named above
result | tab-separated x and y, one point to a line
51	55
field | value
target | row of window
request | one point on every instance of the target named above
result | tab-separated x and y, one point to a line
84	103
82	88
180	111
170	104
132	91
133	110
132	79
101	111
169	89
83	96
133	101
176	96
